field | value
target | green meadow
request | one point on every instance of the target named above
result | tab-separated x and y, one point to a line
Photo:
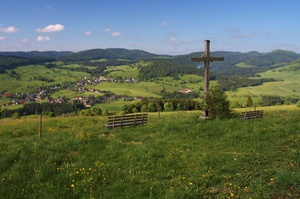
28	82
174	156
286	86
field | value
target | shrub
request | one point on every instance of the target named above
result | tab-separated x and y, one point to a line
144	108
216	104
16	116
50	114
168	106
249	102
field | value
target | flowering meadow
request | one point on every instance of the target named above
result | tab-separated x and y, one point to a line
174	156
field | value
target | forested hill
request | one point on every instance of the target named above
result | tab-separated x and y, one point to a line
111	53
253	62
35	54
250	58
231	58
161	64
11	62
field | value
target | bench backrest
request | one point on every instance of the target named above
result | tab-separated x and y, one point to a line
253	114
125	120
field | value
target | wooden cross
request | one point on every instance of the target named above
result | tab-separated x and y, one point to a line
207	59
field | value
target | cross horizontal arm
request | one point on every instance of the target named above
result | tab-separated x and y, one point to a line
205	59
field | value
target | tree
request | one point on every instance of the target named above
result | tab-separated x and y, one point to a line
97	111
179	107
151	107
249	102
105	111
16	116
168	106
216	103
144	108
125	109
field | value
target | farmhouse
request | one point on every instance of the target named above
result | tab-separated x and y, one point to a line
186	90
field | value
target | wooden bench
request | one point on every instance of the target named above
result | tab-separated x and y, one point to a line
126	120
253	114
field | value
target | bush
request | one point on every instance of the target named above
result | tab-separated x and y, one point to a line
298	104
50	114
168	106
216	104
16	116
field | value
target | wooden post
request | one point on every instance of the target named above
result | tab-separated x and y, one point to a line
206	75
40	129
158	110
254	106
206	72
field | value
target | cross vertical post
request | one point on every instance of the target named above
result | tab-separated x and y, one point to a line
207	59
206	63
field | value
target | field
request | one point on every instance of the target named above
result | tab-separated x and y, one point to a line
28	82
76	157
287	86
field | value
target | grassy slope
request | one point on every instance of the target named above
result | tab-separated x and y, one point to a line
189	158
27	74
288	86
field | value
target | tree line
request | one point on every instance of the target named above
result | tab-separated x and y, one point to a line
154	105
43	108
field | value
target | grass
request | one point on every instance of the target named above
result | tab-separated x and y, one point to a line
287	86
28	83
243	65
190	158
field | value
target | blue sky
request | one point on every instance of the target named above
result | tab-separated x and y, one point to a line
158	26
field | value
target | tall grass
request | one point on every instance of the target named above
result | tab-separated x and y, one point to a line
176	156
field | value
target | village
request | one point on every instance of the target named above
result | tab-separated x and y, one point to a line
81	87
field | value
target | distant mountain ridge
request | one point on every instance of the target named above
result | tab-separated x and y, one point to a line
257	59
110	53
33	54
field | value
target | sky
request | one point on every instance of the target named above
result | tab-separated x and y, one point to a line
171	27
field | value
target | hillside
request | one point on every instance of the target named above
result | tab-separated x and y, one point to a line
110	53
77	157
34	54
148	75
228	66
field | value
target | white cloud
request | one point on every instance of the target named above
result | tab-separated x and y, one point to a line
116	34
106	30
9	29
164	23
137	45
172	39
40	39
24	40
242	36
2	38
51	28
88	33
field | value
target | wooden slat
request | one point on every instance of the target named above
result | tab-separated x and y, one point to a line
205	59
253	114
126	120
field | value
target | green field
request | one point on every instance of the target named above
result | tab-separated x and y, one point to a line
287	86
27	82
243	65
77	157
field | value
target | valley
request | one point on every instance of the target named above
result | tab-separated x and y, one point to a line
76	75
